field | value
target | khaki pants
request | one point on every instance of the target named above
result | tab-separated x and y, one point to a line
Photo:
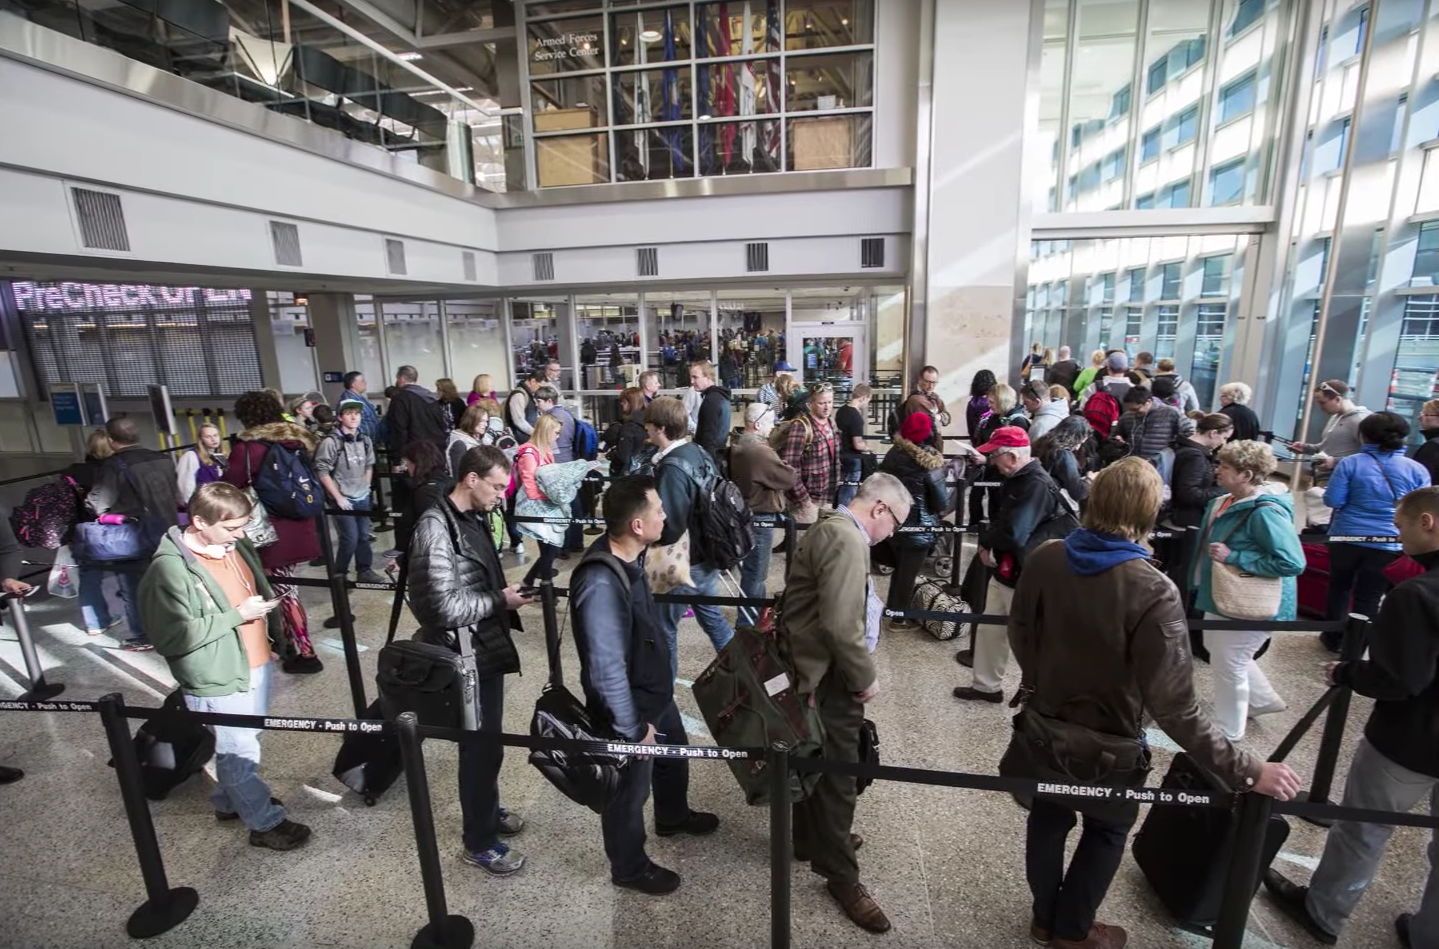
991	643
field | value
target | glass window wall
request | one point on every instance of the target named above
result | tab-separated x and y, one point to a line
663	91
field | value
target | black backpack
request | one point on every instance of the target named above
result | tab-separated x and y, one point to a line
721	526
286	484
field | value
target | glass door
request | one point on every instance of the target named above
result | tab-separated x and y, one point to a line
837	353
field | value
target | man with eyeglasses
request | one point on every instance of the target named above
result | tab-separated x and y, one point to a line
1340	439
811	447
830	628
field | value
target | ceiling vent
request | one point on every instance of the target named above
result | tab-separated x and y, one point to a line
647	261
101	219
285	238
544	265
871	252
756	258
395	256
467	261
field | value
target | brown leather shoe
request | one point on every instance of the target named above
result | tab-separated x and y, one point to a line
859	906
1039	935
1101	936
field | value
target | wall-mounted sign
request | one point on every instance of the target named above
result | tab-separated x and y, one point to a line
97	409
334	377
65	403
110	296
548	49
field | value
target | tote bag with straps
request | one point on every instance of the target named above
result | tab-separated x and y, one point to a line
1241	595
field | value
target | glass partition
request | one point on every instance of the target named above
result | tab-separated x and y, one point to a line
609	328
752	324
677	327
413	337
536	327
477	343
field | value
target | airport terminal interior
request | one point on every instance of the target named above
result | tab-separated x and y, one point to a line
200	199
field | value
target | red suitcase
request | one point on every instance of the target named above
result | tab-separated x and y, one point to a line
1314	582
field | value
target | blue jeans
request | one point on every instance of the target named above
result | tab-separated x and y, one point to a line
129	578
849	469
710	618
353	539
754	572
240	789
479	771
94	608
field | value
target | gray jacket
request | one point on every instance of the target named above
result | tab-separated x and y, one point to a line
1341	436
346	459
136	481
1049	415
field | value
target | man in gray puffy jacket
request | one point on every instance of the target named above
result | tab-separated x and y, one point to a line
1147	427
458	588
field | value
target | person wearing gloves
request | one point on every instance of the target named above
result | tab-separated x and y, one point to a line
211	614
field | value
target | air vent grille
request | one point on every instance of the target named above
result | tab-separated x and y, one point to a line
102	220
467	261
647	261
286	240
544	265
871	252
395	256
756	257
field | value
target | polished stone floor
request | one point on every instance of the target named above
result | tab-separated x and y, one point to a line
946	865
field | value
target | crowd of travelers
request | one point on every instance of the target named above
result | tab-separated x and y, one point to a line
1108	510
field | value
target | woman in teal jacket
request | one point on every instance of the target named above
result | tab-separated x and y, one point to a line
1252	528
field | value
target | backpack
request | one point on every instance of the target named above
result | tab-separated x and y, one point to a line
1101	411
47	513
587	440
286	485
780	435
722	531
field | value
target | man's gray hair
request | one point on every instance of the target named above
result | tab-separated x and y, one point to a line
1023	453
547	394
881	486
1064	352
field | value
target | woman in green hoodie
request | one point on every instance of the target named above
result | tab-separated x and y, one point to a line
213	618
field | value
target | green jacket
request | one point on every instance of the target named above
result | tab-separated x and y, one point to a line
1262	540
825	605
191	623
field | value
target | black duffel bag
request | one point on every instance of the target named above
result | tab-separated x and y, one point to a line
588	778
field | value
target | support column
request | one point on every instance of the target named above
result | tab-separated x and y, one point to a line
977	254
265	341
337	339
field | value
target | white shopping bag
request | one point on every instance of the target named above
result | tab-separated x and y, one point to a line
64	575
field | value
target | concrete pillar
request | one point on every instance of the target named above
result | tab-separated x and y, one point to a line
265	341
337	340
982	101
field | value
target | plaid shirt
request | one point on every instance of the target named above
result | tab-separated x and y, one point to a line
817	464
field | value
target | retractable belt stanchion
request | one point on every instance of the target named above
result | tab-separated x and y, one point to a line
1245	864
791	539
550	611
443	931
1355	641
340	600
165	908
779	846
397	607
40	690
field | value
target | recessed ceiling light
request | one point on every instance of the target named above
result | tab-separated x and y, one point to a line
651	36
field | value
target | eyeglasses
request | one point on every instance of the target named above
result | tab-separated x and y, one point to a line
890	511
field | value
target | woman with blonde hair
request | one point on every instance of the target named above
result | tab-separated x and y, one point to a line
1087	375
98	612
533	455
482	388
1234	402
1427	454
787	387
201	464
1249	545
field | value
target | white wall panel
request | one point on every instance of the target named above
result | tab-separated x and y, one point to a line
82	130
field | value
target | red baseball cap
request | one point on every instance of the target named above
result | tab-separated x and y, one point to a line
1006	436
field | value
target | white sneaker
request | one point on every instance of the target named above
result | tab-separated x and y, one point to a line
1257	710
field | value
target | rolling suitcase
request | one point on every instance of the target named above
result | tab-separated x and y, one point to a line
369	763
1313	584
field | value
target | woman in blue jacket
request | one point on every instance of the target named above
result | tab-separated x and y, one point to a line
1251	528
1363	491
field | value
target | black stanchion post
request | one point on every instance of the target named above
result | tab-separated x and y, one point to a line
443	931
340	600
397	608
779	844
1355	642
548	606
164	908
377	489
40	690
1246	862
791	540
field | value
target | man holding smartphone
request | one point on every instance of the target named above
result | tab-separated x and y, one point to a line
211	613
458	588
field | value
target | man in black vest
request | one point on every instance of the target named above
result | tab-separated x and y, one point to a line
520	408
458	588
625	669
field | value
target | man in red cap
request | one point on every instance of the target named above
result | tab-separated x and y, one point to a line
1030	511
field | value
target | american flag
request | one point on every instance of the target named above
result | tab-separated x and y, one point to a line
774	82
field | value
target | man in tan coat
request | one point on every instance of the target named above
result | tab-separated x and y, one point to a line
830	626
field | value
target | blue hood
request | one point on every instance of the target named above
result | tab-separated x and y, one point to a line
1090	553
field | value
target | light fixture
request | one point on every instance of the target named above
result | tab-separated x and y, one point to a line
706	117
651	36
302	299
844	21
409	56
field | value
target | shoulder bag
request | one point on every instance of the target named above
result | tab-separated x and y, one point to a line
1239	594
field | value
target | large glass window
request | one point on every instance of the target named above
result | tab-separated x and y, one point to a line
672	95
1226	183
1166	330
1426	254
1170	278
1238	97
1208	346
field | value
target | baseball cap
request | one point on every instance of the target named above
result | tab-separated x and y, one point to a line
1118	362
349	404
1006	436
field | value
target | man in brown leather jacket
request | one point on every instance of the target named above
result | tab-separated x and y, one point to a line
1101	636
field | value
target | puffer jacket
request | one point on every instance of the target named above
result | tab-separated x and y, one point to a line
922	470
1049	415
1149	434
1364	489
1192	484
1259	532
456	588
1029	511
296	541
1107	649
